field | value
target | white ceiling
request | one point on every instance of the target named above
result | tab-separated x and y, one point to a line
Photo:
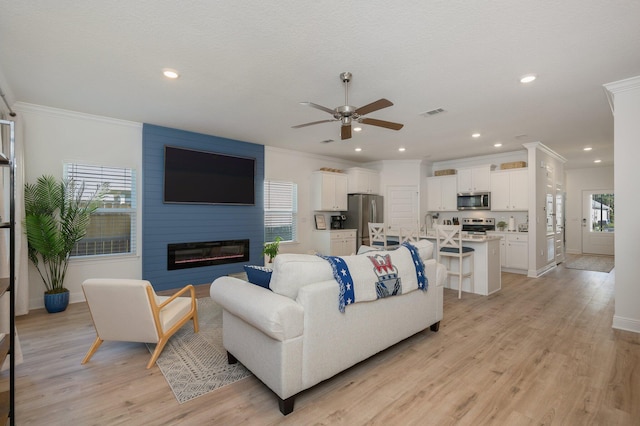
245	66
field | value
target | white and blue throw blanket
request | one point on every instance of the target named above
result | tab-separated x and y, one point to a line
378	274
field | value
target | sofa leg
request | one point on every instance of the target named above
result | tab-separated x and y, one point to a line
286	405
436	326
231	359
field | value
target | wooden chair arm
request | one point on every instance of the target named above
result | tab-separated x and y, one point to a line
189	287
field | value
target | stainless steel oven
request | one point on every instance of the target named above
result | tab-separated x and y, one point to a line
475	225
474	201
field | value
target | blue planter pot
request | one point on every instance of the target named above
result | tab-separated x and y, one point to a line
56	302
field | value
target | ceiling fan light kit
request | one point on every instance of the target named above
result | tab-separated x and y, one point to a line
347	114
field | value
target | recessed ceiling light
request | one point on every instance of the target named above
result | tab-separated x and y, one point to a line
597	161
528	78
169	73
357	129
475	135
587	148
497	145
402	149
358	149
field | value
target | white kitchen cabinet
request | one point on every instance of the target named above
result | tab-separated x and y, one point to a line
474	179
329	191
442	193
514	250
510	190
363	181
335	242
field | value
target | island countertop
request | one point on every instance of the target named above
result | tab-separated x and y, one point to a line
466	237
486	263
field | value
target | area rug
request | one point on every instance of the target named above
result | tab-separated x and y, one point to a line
589	262
196	363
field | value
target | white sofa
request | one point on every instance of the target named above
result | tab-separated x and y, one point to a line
294	336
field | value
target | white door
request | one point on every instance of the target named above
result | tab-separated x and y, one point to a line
403	207
598	222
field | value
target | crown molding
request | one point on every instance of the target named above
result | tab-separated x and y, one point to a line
63	113
628	84
542	147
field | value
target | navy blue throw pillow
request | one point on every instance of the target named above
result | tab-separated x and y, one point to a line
258	275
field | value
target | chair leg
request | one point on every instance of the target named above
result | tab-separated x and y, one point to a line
196	327
156	353
460	275
94	347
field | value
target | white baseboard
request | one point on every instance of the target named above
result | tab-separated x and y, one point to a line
626	324
38	302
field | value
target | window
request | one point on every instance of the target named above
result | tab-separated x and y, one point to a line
280	210
602	213
113	225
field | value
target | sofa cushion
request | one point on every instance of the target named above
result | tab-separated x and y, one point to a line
366	249
294	271
258	275
425	248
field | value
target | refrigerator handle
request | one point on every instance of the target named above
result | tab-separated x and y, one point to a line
374	212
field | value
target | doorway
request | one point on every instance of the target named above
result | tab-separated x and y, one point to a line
403	207
598	222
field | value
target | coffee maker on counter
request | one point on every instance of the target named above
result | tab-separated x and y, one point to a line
337	221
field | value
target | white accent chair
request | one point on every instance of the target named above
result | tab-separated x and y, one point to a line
128	310
450	246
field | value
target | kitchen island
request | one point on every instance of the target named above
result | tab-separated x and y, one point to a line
486	266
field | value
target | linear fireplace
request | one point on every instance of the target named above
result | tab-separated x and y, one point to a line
196	254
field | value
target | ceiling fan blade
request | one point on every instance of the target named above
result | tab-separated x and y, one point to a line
345	132
312	123
320	107
374	106
381	123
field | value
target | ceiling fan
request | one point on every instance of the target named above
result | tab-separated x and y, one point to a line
346	113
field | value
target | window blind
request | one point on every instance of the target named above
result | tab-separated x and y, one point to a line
280	210
113	225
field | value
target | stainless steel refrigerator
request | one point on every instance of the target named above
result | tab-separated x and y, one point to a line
362	209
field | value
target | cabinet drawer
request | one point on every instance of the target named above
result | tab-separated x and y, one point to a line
343	234
517	237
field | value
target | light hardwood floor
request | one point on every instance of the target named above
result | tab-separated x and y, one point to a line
541	351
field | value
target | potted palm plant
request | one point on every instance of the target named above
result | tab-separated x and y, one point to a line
57	215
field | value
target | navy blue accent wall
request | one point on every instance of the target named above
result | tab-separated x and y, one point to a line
179	223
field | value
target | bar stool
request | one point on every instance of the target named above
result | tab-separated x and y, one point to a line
378	235
411	235
450	246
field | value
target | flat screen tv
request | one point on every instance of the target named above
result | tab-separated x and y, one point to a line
201	177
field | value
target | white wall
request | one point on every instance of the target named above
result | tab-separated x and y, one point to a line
294	166
626	103
578	180
52	137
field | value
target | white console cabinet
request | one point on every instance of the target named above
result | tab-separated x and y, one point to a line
363	181
442	193
336	242
329	191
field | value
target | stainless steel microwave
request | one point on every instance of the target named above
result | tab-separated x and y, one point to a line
474	201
